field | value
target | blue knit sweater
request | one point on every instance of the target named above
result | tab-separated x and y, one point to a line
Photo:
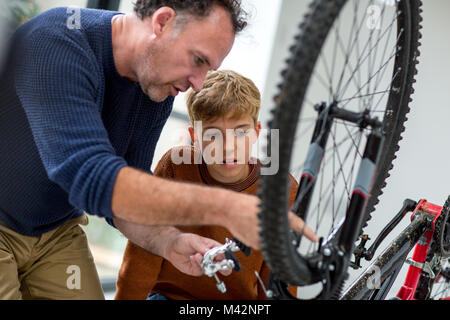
69	122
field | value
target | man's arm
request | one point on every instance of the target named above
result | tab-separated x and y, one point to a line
141	198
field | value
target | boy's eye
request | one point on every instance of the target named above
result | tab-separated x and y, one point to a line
240	133
210	136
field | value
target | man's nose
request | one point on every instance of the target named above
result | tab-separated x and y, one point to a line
197	79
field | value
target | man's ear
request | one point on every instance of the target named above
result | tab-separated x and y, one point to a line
161	19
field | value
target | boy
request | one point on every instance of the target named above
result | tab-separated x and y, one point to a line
225	114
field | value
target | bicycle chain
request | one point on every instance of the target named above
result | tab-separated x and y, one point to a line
441	227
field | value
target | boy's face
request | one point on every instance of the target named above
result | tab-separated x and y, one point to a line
227	145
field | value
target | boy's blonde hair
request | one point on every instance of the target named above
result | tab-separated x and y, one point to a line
224	92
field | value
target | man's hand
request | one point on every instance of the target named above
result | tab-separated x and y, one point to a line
184	250
186	253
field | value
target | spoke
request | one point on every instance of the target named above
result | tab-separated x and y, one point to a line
359	91
321	80
308	128
371	66
341	167
353	141
348	192
334	171
297	169
330	79
362	96
362	60
357	36
346	51
381	98
388	39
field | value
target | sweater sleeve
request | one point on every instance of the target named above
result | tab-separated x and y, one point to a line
58	84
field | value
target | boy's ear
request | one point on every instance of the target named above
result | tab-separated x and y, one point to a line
192	134
258	129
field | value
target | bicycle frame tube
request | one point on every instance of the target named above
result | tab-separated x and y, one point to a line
391	260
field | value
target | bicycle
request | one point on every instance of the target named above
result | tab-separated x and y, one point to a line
352	62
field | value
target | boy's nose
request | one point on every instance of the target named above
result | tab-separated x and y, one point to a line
229	146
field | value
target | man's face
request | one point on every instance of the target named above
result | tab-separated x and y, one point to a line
180	57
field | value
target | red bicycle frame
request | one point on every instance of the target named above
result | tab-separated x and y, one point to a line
408	289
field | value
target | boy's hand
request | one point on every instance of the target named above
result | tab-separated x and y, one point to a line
186	251
242	221
298	225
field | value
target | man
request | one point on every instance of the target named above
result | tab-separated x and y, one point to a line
84	100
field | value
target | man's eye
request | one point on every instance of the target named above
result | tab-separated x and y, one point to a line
198	60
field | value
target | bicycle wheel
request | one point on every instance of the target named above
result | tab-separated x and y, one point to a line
358	55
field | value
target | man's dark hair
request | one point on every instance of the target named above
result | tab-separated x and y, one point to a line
198	8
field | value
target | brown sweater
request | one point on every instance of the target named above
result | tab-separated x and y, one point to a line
142	272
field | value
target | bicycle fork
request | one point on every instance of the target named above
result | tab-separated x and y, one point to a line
361	192
333	257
